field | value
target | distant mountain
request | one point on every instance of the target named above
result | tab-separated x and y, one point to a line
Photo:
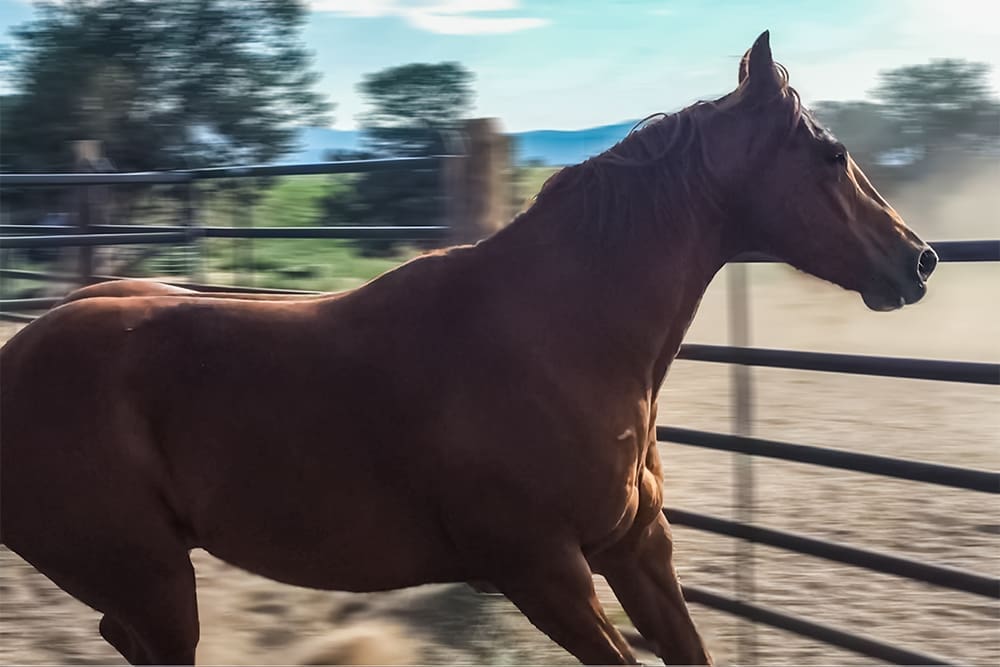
561	147
316	142
550	147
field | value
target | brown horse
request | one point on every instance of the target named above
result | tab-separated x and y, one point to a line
487	413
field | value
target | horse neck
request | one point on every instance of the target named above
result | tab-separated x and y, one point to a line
634	298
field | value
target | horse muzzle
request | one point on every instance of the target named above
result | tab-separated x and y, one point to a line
902	283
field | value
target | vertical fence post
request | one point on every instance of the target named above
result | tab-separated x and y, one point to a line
453	183
478	183
742	423
189	219
85	154
242	248
451	178
248	248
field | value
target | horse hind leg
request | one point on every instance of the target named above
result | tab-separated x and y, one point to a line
114	548
149	603
162	614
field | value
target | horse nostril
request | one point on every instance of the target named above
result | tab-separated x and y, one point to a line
926	263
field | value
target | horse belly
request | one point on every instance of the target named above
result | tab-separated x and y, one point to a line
346	557
328	523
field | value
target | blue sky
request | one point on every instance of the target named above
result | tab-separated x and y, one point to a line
569	64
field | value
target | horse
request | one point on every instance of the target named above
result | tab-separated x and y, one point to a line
484	413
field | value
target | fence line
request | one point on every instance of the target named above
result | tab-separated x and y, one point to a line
827	634
924	369
189	175
856	364
969	479
939	575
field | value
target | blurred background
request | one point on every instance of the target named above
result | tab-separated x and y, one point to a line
512	91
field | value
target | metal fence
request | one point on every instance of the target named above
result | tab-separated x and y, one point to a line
85	235
740	355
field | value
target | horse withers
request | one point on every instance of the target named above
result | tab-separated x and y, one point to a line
486	413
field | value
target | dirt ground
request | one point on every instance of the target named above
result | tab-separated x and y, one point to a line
247	619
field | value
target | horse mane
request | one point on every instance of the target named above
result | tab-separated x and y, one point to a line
661	173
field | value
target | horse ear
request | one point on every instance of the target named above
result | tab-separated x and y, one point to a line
757	64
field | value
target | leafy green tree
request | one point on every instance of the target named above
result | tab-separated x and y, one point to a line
919	116
864	127
412	105
162	84
938	103
414	110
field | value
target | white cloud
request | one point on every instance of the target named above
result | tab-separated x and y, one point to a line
448	17
470	25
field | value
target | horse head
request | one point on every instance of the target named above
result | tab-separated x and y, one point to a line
794	191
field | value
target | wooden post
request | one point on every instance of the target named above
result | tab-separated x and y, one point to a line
477	184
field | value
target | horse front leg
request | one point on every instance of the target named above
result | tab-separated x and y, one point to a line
557	595
640	571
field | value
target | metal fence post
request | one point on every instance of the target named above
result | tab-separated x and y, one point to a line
742	423
189	219
86	154
242	247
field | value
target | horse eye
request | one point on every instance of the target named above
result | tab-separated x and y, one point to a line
839	157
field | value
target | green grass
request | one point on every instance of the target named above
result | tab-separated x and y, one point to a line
528	181
290	201
310	264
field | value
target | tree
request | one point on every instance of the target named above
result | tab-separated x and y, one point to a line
864	127
412	105
937	103
162	84
414	109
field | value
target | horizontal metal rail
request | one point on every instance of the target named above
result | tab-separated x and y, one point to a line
198	287
17	317
57	277
340	167
108	236
76	240
947	251
39	303
946	577
189	175
130	178
39	230
898	367
967	251
827	634
400	233
916	471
